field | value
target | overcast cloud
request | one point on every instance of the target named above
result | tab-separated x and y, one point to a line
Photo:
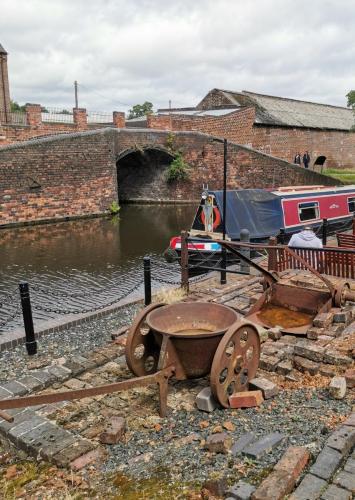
127	52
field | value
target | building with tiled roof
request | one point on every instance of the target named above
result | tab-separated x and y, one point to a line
275	125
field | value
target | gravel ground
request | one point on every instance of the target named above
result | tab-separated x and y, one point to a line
160	454
78	339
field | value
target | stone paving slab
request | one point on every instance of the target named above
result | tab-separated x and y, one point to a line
327	463
333	492
263	445
343	439
310	488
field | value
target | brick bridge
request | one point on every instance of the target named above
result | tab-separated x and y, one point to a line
80	174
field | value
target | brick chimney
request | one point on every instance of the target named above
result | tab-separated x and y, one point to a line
5	104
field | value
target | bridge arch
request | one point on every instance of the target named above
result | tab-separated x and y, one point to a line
141	173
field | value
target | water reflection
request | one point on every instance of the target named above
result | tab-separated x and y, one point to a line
95	248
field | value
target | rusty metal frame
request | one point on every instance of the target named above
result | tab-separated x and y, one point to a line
161	378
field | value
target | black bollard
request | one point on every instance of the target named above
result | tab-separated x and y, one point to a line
31	343
147	281
281	238
324	232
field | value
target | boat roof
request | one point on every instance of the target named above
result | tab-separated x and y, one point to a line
296	190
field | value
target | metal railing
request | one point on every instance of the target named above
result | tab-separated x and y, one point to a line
12	118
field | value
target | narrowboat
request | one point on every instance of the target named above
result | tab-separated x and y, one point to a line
264	212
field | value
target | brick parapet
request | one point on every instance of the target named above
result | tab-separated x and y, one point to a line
80	118
34	115
160	122
119	119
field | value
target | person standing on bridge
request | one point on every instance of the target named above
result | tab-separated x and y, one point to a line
306	159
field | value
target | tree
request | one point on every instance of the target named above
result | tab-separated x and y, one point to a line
351	99
140	110
15	106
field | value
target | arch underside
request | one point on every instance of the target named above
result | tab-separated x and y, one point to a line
141	174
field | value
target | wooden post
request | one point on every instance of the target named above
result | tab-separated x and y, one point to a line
272	261
184	261
354	224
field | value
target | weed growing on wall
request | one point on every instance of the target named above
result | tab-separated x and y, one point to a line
178	169
114	208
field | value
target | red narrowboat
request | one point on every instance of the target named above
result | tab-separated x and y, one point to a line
264	212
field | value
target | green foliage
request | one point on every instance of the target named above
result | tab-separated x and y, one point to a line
351	99
140	110
114	208
178	169
170	141
15	106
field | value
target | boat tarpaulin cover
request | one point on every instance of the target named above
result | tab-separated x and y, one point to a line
257	210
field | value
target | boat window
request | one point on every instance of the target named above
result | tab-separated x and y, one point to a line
351	204
309	210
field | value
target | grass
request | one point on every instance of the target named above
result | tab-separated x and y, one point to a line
170	295
347	176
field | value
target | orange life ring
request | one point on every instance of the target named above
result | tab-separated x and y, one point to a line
216	217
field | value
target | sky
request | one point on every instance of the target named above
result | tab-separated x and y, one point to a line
127	52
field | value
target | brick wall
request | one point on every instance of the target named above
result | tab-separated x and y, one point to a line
35	127
337	146
57	178
76	175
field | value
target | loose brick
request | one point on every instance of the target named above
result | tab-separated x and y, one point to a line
268	363
293	461
70	453
115	431
333	357
337	387
241	491
350	377
342	317
309	350
217	487
306	365
32	384
15	388
247	399
92	456
242	442
268	388
323	319
284	367
278	484
219	443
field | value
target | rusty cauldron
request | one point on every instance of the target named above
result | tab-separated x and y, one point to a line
196	339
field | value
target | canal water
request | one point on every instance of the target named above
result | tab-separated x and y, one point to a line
83	265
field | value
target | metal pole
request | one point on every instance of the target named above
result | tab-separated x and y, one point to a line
324	232
76	93
281	236
245	238
147	281
224	252
31	343
184	261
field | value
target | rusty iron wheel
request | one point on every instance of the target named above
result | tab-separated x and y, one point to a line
142	351
235	362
